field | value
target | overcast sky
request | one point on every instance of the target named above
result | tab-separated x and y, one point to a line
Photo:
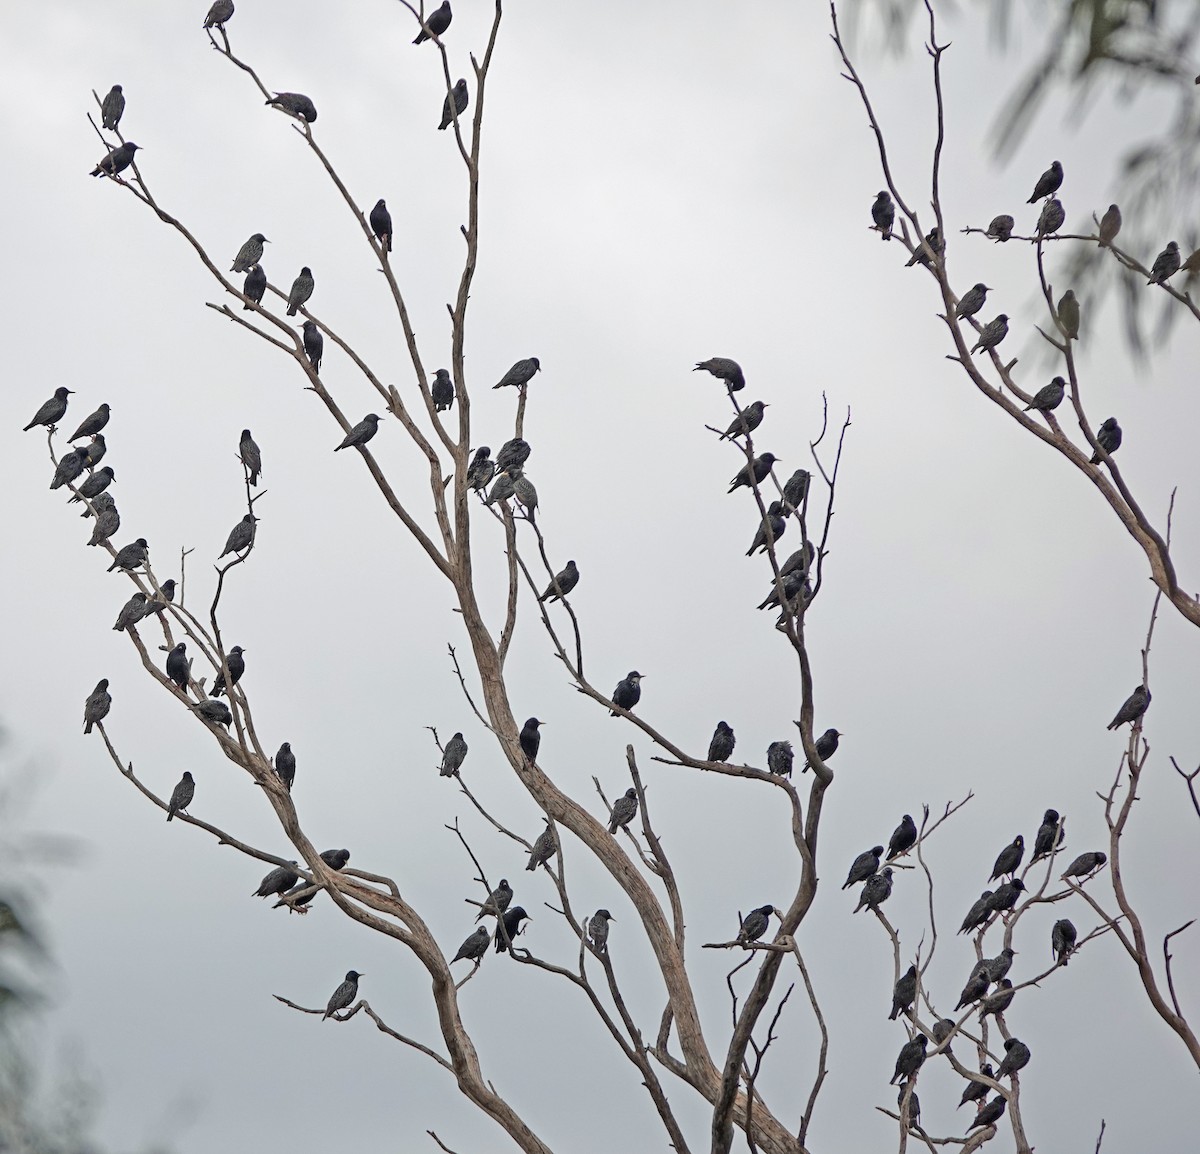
661	183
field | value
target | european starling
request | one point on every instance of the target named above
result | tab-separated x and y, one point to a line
802	558
302	289
112	108
1052	217
1110	225
497	902
1135	705
1108	437
453	756
52	411
236	664
459	104
1006	896
254	286
990	1113
975	989
94	450
436	22
863	867
278	881
1166	265
177	666
760	467
978	913
91	424
251	456
998	1000
70	465
1016	1058
904	837
508	927
914	1106
1062	940
1049	835
314	345
977	1090
544	848
520	374
474	947
564	581
530	739
99	504
249	254
997	967
108	521
514	452
1048	183
381	225
942	1029
504	486
598	930
876	891
883	213
1009	860
303	894
134	554
525	494
993	333
215	713
1068	314
442	391
241	536
780	758
1048	397
910	1058
335	859
481	469
96	707
361	433
904	993
1085	863
94	486
131	612
794	583
720	748
826	746
181	796
933	242
285	765
777	524
159	604
221	11
727	370
344	994
627	693
747	420
754	925
116	161
1001	228
623	811
296	104
972	301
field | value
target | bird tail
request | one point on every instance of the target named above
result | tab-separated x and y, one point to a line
170	814
291	310
87	728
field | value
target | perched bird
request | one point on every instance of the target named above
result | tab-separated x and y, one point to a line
504	486
335	859
134	554
972	301
720	748
759	468
94	451
876	891
94	486
215	713
236	664
1052	217
458	107
131	612
1085	863
564	581
508	927
1009	860
1062	940
794	584
108	521
525	494
978	913
254	286
241	536
623	811
285	765
910	1058
361	433
826	746
99	504
514	452
436	22
1001	228
1108	437
1110	225
344	994
249	254
278	881
976	1091
481	469
990	1113
97	705
1016	1058
1006	896
883	213
975	989
796	489
598	930
520	374
904	837
181	795
1048	397
296	104
1048	183
1166	264
1050	834
92	424
544	848
301	290
863	866
453	756
904	993
755	924
52	411
993	333
778	526
442	391
1135	705
627	693
727	370
69	466
942	1029
747	420
251	456
314	345
497	902
221	11
1068	314
933	243
997	967
473	947
159	604
780	758
178	667
913	1117
118	160
530	738
381	225
112	108
998	1000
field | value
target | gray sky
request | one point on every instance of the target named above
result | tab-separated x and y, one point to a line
661	183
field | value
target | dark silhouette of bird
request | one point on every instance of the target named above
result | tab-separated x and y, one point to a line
910	1058
1108	437
285	765
504	486
112	108
778	526
1068	314
903	838
1048	183
108	521
1135	706
514	452
1049	835
1110	225
1009	860
942	1029
876	891
134	554
93	452
720	748
1062	940
97	705
177	666
802	558
826	746
497	902
904	993
278	881
381	225
975	989
481	469
314	345
530	739
436	22
1016	1058
1085	863
726	370
441	390
459	106
249	254
780	758
1001	228
975	1091
236	664
1052	217
598	930
520	374
544	848
221	11
863	866
933	242
453	756
998	1000
94	486
241	536
1006	896
1048	397
99	504
344	995
978	913
92	424
526	495
997	967
361	433
69	466
295	104
755	924
251	456
623	811
181	795
215	713
990	1113
993	333
759	468
794	584
972	301
131	612
159	604
883	213
301	290
508	927
913	1117
473	947
1166	265
117	161
564	581
254	286
747	420
335	859
627	693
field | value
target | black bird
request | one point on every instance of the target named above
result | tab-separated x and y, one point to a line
181	795
990	1113
903	838
803	557
134	554
241	536
504	486
215	713
159	604
344	995
514	452
97	705
993	333
335	859
497	902
720	748
314	345
254	286
883	213
755	924
910	1058
933	242
623	811
1166	265
747	420
52	411
177	666
221	11
301	290
112	108
1016	1058
978	913
1048	183
780	758
863	867
70	465
361	433
1049	835
92	424
251	456
727	370
1001	228
942	1029
236	665
249	254
997	967
904	993
459	106
131	612
436	22
1052	217
1068	314
473	947
453	756
876	891
977	1090
760	468
1006	896
598	930
1110	225
381	225
116	161
1009	860
525	494
509	927
94	451
530	738
1062	940
278	881
285	765
564	581
1135	705
972	300
976	987
94	486
627	693
520	374
442	391
296	104
914	1106
1048	397
1085	863
826	746
544	848
481	469
99	504
778	526
108	521
794	584
998	1000
1108	437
